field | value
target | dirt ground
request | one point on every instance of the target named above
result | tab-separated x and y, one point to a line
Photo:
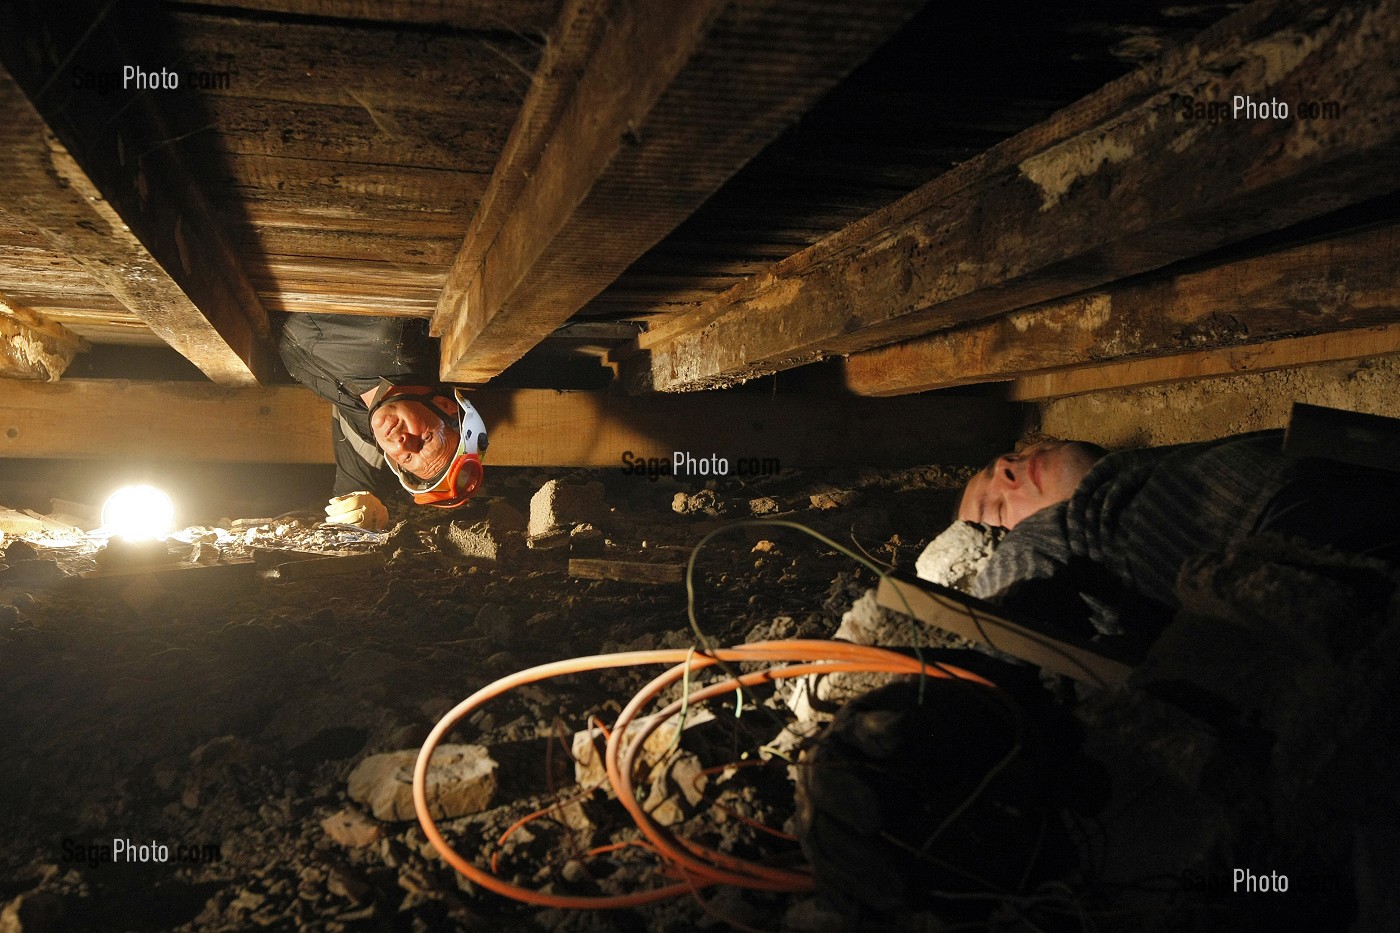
218	710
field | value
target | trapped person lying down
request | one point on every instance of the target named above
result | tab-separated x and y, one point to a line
1100	537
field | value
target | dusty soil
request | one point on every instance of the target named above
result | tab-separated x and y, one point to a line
215	707
218	709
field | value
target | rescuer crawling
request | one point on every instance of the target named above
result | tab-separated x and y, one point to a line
395	426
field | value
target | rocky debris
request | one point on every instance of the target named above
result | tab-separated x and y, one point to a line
558	507
706	501
461	781
206	552
833	498
322	672
814	700
764	505
588	746
18	550
675	789
352	829
32	572
584	532
958	555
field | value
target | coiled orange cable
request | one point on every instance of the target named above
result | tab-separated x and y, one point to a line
698	865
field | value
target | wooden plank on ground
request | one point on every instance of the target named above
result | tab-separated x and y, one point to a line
139	226
754	433
320	567
1377	340
626	132
973	619
1333	284
625	571
1128	179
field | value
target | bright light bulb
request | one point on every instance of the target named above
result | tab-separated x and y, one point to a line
138	512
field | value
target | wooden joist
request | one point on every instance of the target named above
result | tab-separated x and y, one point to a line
166	421
753	433
1334	284
31	347
92	178
517	16
1377	340
1128	179
640	111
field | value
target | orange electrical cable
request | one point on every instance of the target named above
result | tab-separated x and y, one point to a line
698	866
710	864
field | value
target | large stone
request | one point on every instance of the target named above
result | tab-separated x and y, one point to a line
558	507
461	780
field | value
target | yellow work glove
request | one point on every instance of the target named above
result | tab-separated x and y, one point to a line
361	509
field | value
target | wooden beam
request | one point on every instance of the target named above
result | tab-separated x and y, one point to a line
1333	284
1378	340
32	347
91	172
515	16
639	112
175	421
1128	179
625	571
84	419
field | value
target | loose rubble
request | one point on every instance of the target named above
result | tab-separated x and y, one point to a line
270	724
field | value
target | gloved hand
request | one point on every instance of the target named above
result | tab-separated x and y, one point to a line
361	509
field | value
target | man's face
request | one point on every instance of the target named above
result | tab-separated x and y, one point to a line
1014	486
415	438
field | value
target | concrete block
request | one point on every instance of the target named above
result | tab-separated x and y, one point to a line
557	507
479	541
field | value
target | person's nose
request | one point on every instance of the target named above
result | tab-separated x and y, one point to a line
1009	469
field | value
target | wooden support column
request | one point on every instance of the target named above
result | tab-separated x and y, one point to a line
754	433
1334	284
32	347
1128	179
96	174
640	111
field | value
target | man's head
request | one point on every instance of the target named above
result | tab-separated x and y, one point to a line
1014	486
415	436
